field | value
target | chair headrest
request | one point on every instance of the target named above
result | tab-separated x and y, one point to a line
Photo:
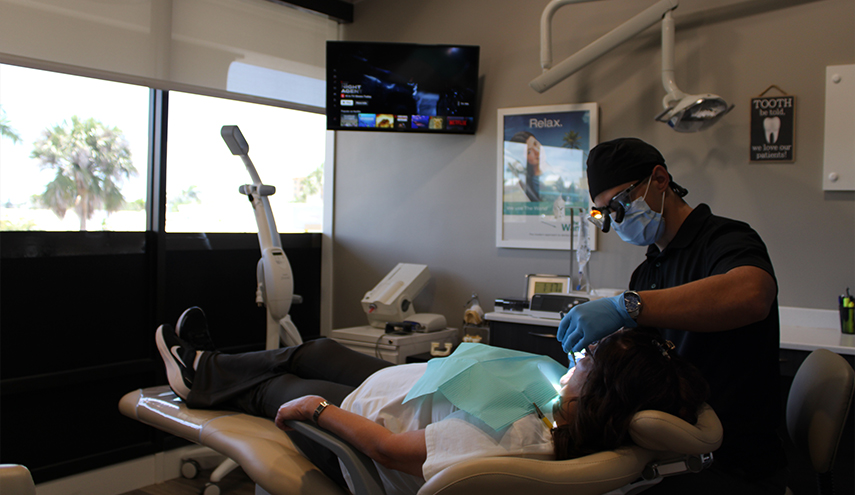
657	430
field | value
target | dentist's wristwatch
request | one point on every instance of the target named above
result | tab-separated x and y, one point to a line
632	303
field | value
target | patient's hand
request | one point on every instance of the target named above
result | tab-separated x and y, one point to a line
300	409
405	451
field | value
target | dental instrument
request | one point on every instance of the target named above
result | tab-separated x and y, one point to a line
542	417
571	356
391	300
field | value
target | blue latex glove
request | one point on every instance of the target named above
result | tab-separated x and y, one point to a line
591	321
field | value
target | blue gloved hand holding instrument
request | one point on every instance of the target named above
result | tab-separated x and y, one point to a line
593	320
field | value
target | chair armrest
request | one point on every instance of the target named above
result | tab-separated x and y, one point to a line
363	473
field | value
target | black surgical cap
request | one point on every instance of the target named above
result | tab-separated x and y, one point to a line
619	161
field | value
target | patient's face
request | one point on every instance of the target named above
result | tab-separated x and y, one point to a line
572	383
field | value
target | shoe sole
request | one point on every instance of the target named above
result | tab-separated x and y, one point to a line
173	371
181	320
203	344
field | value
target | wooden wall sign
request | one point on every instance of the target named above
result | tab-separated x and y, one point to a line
773	127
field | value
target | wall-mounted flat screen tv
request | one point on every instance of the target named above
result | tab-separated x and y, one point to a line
401	87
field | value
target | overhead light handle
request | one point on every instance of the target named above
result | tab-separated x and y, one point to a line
553	75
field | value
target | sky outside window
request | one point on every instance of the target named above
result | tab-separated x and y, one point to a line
286	146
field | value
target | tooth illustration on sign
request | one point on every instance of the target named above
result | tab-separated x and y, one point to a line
772	125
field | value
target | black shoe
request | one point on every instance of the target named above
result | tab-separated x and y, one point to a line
192	327
178	356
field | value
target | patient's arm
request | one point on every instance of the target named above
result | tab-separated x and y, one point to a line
405	451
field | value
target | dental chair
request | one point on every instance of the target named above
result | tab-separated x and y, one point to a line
663	446
275	288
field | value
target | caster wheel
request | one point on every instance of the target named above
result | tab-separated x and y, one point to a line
211	489
190	469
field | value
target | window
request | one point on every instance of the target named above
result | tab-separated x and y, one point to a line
74	157
73	152
286	147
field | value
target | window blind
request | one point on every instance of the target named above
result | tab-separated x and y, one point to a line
254	48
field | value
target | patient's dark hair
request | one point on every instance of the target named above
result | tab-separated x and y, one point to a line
632	370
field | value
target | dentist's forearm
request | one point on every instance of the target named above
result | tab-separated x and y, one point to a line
742	296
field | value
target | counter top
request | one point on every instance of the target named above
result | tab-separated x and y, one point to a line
808	329
523	319
802	329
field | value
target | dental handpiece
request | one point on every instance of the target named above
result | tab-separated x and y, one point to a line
570	355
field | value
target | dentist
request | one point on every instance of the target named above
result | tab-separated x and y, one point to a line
708	285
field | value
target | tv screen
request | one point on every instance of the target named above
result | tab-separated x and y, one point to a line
401	87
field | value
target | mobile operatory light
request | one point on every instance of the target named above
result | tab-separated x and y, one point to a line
684	113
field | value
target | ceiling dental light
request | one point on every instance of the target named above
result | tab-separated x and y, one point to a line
684	113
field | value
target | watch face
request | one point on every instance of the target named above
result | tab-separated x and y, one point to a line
632	302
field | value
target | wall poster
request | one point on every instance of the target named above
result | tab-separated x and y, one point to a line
542	189
773	127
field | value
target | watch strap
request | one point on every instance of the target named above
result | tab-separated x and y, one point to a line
323	405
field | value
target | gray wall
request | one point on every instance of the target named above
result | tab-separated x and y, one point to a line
432	199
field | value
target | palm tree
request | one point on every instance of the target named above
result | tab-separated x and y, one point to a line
6	130
310	185
187	196
571	140
90	159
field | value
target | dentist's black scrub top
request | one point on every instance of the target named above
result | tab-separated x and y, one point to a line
741	365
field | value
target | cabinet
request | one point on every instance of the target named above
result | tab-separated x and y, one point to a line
839	150
526	333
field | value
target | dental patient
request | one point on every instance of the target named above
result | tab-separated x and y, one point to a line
362	399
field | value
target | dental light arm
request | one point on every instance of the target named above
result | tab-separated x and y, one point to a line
273	272
674	93
684	113
553	75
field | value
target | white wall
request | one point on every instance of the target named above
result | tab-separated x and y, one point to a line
431	199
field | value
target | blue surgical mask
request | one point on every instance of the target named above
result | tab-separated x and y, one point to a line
641	226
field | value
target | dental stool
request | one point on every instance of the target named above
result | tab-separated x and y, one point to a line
664	446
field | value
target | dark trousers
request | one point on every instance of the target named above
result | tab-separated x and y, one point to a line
258	383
